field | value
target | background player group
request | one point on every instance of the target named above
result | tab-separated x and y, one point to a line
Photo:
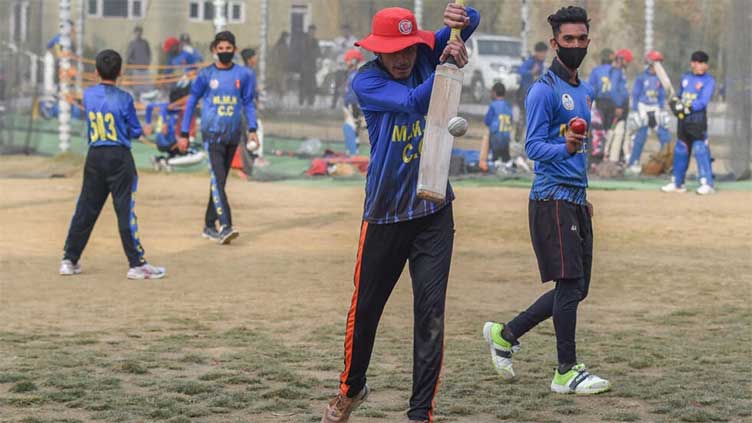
394	90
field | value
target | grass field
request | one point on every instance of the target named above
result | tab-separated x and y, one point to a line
253	332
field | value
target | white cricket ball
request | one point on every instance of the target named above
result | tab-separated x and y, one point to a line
457	126
251	145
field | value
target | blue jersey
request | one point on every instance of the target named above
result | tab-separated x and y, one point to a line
551	102
395	115
166	122
530	69
609	82
647	90
110	116
225	92
185	58
499	118
696	92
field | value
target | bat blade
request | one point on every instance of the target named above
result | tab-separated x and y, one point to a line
660	72
437	141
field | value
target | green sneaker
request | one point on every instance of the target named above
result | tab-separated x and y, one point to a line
501	349
578	381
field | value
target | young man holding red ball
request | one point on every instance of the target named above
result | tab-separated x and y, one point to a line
558	114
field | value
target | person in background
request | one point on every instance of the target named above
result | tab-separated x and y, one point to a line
648	97
691	109
530	70
353	115
310	53
137	58
278	73
342	44
499	121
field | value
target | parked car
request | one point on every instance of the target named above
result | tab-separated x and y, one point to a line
493	58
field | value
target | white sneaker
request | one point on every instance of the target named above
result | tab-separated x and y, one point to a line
705	189
501	349
635	169
146	271
578	381
671	187
67	268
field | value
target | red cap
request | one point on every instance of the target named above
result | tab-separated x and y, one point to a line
169	43
394	29
654	56
626	54
353	54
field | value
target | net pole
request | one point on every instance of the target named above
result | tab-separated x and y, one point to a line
64	114
220	18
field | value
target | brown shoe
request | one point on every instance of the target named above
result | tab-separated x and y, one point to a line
340	407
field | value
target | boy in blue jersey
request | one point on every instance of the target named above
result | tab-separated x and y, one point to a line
529	71
610	87
109	168
351	109
226	90
168	119
690	107
648	97
499	122
394	91
559	213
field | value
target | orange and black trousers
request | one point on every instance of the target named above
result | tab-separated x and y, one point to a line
426	244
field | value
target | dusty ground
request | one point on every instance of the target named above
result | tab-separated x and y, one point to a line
253	331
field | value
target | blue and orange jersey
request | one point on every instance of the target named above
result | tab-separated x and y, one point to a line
609	82
110	116
696	91
647	90
226	93
551	102
395	113
499	118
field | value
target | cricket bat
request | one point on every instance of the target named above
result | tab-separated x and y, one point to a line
663	77
433	173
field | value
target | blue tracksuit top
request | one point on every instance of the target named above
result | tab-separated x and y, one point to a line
225	92
647	90
526	72
551	103
395	113
609	82
499	118
167	120
110	117
696	92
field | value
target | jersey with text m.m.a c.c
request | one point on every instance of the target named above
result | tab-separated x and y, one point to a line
226	94
110	116
551	103
395	113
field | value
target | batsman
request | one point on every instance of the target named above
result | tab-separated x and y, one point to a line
394	92
558	210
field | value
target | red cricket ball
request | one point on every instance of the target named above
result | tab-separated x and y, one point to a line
578	126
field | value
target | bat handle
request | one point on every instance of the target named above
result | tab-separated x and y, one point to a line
456	31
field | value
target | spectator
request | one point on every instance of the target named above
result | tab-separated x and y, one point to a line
310	53
278	72
342	44
139	54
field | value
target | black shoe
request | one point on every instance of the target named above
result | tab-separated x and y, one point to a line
227	234
210	233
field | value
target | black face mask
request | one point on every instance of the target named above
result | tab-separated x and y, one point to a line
226	57
571	57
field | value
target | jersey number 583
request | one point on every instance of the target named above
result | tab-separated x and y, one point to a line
102	127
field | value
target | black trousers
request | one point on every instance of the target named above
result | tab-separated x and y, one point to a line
562	235
107	170
220	161
607	108
427	244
